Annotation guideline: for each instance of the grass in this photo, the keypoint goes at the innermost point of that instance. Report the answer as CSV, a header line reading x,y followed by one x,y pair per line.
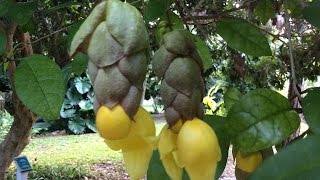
x,y
73,151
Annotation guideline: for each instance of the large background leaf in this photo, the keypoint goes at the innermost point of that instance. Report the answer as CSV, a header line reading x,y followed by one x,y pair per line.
x,y
260,119
218,124
264,10
39,85
4,6
244,37
311,109
204,52
312,13
299,160
231,96
155,9
21,12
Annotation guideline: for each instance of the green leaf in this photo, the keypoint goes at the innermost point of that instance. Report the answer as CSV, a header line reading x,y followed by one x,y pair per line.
x,y
21,12
68,113
295,8
4,6
231,96
73,30
218,125
299,160
204,52
260,119
79,63
155,9
83,85
156,170
243,36
3,42
91,125
28,27
85,105
311,13
264,10
169,21
66,72
76,127
310,106
39,85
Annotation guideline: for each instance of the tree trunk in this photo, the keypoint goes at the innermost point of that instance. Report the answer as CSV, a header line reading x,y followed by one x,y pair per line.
x,y
18,136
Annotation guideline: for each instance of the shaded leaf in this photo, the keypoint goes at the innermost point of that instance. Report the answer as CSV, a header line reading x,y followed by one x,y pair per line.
x,y
66,73
76,127
79,63
21,12
83,85
39,85
74,97
155,9
4,6
68,113
260,119
299,160
231,96
156,170
311,13
28,27
244,37
310,106
218,124
73,30
204,52
169,21
3,42
91,125
264,10
295,8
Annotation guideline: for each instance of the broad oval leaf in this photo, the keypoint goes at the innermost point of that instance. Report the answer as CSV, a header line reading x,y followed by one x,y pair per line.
x,y
299,160
204,52
311,13
79,63
243,36
310,106
260,119
264,10
21,12
83,85
39,84
77,126
4,6
3,42
155,9
231,96
218,124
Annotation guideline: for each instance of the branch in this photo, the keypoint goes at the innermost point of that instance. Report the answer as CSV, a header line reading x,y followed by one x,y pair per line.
x,y
293,72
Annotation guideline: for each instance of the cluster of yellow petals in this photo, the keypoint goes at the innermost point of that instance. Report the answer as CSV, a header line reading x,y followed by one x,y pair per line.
x,y
135,138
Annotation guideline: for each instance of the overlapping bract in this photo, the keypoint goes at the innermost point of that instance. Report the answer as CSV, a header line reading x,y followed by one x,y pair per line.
x,y
115,38
179,65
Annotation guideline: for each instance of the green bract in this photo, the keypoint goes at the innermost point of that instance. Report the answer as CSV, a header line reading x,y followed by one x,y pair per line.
x,y
178,63
116,44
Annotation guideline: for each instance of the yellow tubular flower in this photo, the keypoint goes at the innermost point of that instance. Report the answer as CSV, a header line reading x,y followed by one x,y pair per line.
x,y
198,150
166,146
137,147
113,123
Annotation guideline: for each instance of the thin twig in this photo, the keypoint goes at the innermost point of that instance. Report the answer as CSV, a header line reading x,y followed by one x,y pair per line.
x,y
48,35
293,72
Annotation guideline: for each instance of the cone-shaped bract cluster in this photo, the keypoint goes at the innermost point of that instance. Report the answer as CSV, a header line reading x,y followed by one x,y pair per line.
x,y
115,38
179,65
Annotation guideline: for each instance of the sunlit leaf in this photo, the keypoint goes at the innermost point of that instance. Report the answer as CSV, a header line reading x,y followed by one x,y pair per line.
x,y
39,85
243,36
76,127
260,119
299,160
83,85
310,106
